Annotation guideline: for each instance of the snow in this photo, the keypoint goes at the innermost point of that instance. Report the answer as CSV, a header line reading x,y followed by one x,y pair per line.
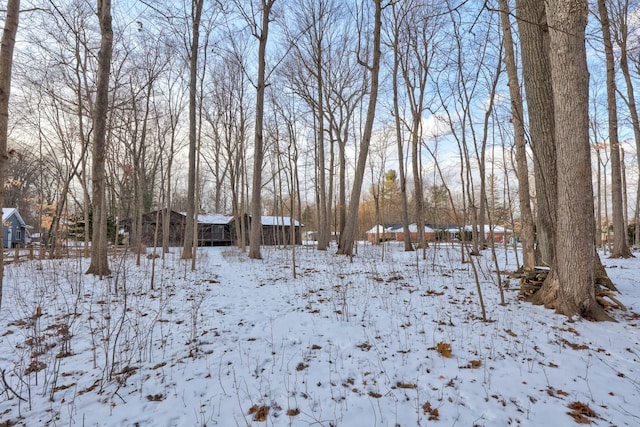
x,y
413,228
380,229
358,342
214,219
279,220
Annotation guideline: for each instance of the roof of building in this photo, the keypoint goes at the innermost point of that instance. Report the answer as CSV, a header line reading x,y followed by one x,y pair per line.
x,y
384,228
279,220
214,219
413,228
9,212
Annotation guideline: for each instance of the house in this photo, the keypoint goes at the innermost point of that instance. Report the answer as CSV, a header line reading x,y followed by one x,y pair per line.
x,y
152,224
429,233
450,232
14,229
216,230
383,232
276,230
213,229
500,234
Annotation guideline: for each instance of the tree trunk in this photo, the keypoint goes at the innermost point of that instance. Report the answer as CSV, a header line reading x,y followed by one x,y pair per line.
x,y
569,288
620,247
99,263
6,64
408,246
621,39
258,150
190,220
323,221
349,235
517,120
417,177
536,73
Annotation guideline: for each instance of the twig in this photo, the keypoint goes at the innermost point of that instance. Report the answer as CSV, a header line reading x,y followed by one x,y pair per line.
x,y
8,387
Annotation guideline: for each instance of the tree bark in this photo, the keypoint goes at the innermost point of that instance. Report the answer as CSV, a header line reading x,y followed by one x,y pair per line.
x,y
99,263
6,65
569,288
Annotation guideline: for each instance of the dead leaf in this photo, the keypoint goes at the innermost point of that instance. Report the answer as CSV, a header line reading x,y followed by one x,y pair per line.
x,y
259,412
444,349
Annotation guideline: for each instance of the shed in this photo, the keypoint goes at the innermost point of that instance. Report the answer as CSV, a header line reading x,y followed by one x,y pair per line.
x,y
14,229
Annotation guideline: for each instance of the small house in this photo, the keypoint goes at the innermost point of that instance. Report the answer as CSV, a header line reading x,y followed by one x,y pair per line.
x,y
14,229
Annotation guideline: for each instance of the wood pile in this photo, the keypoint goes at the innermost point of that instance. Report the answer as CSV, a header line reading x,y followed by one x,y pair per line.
x,y
531,281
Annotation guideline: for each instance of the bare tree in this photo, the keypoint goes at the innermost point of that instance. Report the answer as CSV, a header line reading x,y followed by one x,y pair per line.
x,y
6,64
620,246
517,120
348,237
258,156
188,248
569,288
398,16
536,74
99,263
417,39
622,25
312,72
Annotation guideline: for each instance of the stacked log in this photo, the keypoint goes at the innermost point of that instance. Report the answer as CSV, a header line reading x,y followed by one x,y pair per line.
x,y
531,281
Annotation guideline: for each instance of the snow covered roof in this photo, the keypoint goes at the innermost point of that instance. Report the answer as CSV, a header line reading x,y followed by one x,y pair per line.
x,y
496,229
279,220
487,229
380,228
214,219
413,228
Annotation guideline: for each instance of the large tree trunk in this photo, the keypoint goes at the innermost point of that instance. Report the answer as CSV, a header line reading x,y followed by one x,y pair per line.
x,y
569,288
536,73
6,64
517,120
258,150
620,247
347,238
190,220
99,263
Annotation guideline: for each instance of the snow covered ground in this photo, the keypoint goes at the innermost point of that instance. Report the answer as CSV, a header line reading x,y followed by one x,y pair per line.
x,y
387,339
